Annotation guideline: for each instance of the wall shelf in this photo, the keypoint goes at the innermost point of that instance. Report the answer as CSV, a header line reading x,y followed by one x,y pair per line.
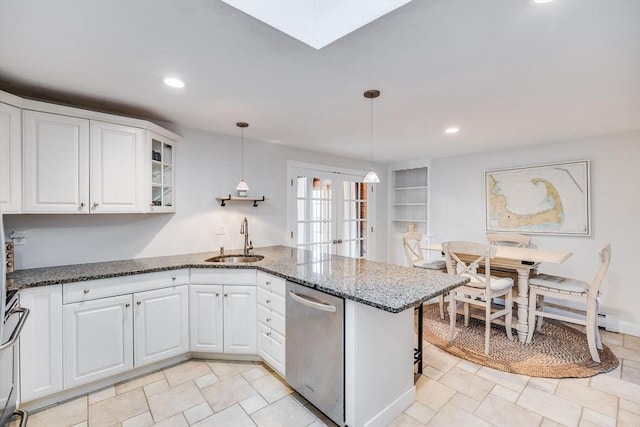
x,y
230,198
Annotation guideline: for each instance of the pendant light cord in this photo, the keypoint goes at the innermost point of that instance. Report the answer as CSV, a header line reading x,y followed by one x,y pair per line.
x,y
242,157
371,135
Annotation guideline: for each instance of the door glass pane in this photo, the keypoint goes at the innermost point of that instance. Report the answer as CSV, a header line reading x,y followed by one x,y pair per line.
x,y
314,214
353,229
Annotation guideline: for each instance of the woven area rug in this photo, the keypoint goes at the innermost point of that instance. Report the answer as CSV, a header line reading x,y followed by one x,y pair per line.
x,y
557,351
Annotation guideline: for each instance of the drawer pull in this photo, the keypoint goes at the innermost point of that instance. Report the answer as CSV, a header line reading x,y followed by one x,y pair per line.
x,y
268,301
127,305
139,302
86,291
268,334
268,320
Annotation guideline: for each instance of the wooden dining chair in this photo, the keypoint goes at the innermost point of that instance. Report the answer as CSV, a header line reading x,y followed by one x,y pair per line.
x,y
587,294
509,239
411,242
482,288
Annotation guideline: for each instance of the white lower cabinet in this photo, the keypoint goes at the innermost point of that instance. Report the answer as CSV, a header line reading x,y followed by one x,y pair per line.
x,y
105,335
239,319
205,316
161,324
98,338
271,309
41,343
271,347
222,311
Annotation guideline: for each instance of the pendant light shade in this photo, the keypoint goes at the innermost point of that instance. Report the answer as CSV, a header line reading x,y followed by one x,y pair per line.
x,y
242,188
371,177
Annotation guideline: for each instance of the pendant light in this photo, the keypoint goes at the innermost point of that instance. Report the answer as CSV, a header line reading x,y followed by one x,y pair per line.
x,y
371,177
242,187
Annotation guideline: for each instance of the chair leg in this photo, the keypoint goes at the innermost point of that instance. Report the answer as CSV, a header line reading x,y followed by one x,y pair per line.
x,y
592,329
487,326
598,339
540,301
508,318
466,314
452,315
533,296
441,303
591,340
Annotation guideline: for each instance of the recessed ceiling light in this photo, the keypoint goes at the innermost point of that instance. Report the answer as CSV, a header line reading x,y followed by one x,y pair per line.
x,y
173,82
542,1
452,130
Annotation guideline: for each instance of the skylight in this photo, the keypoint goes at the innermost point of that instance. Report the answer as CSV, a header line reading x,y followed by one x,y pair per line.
x,y
316,22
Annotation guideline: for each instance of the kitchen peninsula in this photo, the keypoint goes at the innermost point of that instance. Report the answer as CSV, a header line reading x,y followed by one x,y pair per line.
x,y
378,314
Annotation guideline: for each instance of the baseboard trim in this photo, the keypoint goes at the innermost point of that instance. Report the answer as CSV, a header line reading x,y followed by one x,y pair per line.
x,y
393,411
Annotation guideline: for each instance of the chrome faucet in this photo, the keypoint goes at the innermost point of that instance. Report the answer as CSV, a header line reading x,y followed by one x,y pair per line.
x,y
244,229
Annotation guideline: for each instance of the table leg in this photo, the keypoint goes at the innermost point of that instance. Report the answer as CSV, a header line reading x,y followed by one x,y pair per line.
x,y
522,302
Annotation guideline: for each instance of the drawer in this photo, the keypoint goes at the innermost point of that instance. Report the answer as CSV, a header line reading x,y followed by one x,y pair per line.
x,y
101,288
272,348
271,301
271,318
223,276
274,284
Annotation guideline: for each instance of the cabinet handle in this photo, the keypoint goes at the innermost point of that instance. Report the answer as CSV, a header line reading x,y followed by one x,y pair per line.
x,y
95,204
268,334
86,291
173,278
127,305
139,302
268,301
82,204
217,294
268,320
226,295
268,283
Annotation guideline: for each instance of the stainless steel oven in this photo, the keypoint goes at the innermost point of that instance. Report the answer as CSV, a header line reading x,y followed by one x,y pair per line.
x,y
13,321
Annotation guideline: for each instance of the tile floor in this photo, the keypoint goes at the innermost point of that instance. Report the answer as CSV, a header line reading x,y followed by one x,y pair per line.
x,y
452,392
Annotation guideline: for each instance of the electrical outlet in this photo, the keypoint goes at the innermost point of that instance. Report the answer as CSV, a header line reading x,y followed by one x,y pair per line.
x,y
19,237
220,230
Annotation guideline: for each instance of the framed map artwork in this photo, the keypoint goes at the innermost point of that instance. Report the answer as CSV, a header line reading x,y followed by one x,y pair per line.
x,y
546,199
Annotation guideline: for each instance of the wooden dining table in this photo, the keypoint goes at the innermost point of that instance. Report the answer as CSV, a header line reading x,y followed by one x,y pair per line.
x,y
524,261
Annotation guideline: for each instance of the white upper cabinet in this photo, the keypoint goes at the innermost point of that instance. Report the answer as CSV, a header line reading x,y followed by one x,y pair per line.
x,y
56,163
76,165
117,168
10,159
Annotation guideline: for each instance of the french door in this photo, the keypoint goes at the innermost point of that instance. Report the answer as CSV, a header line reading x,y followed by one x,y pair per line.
x,y
329,213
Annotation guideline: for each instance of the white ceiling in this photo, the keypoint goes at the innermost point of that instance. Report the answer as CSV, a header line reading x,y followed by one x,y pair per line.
x,y
508,73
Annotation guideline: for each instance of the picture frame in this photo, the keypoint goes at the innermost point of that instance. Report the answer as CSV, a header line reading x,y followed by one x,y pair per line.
x,y
549,199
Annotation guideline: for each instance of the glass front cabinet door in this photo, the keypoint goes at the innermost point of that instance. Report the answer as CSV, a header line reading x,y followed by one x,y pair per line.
x,y
162,158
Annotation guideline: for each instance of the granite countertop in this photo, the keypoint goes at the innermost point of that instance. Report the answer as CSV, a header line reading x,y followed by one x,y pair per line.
x,y
388,287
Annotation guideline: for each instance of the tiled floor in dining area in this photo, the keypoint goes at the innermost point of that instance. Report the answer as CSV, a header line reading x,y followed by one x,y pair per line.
x,y
452,392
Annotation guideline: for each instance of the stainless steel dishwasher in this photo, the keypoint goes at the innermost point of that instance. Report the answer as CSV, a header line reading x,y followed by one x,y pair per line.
x,y
315,348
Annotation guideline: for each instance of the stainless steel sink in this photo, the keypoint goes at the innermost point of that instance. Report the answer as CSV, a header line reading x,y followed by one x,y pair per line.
x,y
235,258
